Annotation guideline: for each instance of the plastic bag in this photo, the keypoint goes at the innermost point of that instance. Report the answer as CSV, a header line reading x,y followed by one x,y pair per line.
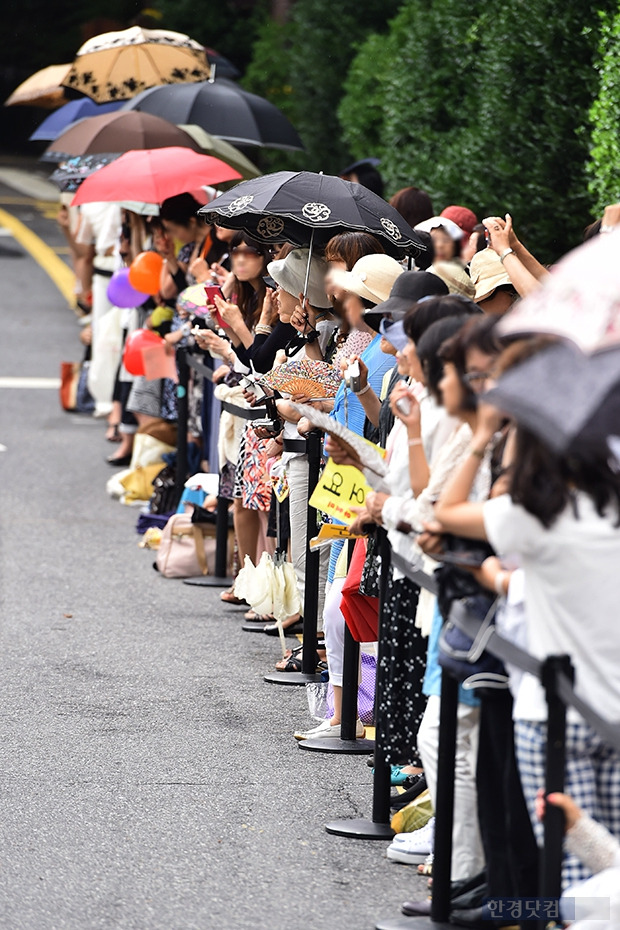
x,y
316,692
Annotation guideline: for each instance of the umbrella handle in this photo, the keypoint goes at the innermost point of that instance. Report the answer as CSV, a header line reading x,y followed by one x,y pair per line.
x,y
281,635
310,250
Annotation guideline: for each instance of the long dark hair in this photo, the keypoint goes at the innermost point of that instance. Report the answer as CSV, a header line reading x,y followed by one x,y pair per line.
x,y
427,349
544,483
250,301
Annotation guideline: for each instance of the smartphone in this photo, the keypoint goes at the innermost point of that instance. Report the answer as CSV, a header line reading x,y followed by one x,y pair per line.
x,y
212,291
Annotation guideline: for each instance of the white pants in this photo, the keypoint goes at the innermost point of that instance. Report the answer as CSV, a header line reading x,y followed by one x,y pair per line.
x,y
105,347
467,852
297,473
333,627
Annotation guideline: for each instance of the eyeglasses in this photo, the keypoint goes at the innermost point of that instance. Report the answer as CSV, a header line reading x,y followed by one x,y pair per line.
x,y
245,250
472,376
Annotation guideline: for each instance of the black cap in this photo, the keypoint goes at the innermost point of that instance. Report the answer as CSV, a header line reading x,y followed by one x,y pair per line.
x,y
408,289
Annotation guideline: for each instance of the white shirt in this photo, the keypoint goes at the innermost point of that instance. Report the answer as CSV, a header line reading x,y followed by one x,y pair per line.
x,y
572,596
100,225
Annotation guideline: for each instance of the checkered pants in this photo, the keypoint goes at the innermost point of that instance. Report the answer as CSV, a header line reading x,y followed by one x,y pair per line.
x,y
592,779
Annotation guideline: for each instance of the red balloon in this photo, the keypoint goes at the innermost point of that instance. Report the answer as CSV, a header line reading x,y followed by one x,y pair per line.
x,y
145,272
132,354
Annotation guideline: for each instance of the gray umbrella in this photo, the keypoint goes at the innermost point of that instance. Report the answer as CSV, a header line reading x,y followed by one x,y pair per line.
x,y
223,109
562,395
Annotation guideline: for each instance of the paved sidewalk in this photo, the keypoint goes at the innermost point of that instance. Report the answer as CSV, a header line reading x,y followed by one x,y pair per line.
x,y
149,778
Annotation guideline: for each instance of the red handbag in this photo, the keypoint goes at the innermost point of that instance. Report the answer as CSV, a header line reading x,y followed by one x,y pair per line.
x,y
360,611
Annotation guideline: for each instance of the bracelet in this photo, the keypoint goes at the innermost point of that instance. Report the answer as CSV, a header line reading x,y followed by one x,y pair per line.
x,y
263,329
363,391
498,583
414,442
505,253
479,453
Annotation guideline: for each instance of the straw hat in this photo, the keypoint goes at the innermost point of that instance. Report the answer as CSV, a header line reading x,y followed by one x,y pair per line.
x,y
455,278
290,274
487,273
371,277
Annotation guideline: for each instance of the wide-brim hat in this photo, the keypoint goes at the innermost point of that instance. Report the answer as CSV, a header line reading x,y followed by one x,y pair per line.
x,y
372,277
455,278
455,232
487,273
290,274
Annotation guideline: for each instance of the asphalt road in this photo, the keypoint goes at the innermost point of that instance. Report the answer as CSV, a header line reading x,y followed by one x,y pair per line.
x,y
149,779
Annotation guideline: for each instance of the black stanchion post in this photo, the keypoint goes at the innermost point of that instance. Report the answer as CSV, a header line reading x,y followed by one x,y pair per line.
x,y
220,579
379,827
444,815
444,818
349,744
182,416
553,825
311,597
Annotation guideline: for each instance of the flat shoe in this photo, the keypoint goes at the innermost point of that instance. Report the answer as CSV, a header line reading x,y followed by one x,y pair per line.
x,y
119,461
326,731
271,629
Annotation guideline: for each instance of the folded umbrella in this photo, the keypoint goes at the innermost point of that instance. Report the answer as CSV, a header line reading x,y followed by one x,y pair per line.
x,y
153,175
303,207
223,109
579,301
41,89
70,113
563,396
117,132
118,65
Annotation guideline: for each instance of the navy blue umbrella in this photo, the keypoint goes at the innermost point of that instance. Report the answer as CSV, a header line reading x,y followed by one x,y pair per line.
x,y
60,119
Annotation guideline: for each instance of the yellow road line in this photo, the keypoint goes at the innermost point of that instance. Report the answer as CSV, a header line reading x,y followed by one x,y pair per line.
x,y
58,271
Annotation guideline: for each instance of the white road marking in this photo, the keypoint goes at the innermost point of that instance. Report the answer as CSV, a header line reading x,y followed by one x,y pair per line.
x,y
46,384
5,232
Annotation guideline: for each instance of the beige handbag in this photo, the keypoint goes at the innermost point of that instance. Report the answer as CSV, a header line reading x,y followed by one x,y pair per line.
x,y
187,549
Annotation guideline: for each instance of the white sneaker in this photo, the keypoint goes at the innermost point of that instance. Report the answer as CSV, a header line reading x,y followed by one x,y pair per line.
x,y
326,731
413,848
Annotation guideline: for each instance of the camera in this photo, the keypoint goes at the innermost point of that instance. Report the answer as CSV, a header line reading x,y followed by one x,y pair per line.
x,y
272,425
352,377
252,386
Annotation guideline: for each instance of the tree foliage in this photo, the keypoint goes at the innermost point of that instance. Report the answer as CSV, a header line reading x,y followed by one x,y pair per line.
x,y
604,164
302,67
484,104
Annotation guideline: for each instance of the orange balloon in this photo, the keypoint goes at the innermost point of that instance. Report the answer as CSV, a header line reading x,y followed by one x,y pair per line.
x,y
145,272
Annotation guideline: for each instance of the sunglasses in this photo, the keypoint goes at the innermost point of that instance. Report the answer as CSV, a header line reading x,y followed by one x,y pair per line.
x,y
245,250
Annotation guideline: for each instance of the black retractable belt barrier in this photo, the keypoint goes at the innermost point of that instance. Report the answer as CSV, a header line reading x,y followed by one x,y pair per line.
x,y
311,598
378,828
556,674
185,361
348,744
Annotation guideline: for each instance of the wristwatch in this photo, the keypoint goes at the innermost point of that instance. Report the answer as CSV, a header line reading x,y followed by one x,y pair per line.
x,y
505,253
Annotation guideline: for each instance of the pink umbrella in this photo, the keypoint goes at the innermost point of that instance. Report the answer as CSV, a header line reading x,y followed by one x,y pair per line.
x,y
579,301
153,175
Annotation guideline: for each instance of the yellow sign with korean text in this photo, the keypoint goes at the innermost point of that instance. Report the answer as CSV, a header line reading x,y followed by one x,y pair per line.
x,y
340,488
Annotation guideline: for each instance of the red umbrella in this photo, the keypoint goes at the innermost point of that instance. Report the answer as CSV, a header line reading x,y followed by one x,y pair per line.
x,y
152,175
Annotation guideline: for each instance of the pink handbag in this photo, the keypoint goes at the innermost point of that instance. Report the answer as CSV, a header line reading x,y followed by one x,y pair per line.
x,y
187,549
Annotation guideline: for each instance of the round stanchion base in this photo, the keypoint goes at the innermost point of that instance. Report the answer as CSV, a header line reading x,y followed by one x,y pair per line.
x,y
253,626
291,678
411,923
209,581
351,747
360,829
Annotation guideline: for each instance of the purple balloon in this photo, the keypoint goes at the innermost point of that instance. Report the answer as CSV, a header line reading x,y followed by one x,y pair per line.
x,y
121,293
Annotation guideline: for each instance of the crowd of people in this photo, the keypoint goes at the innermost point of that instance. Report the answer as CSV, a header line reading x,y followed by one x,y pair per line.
x,y
504,522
